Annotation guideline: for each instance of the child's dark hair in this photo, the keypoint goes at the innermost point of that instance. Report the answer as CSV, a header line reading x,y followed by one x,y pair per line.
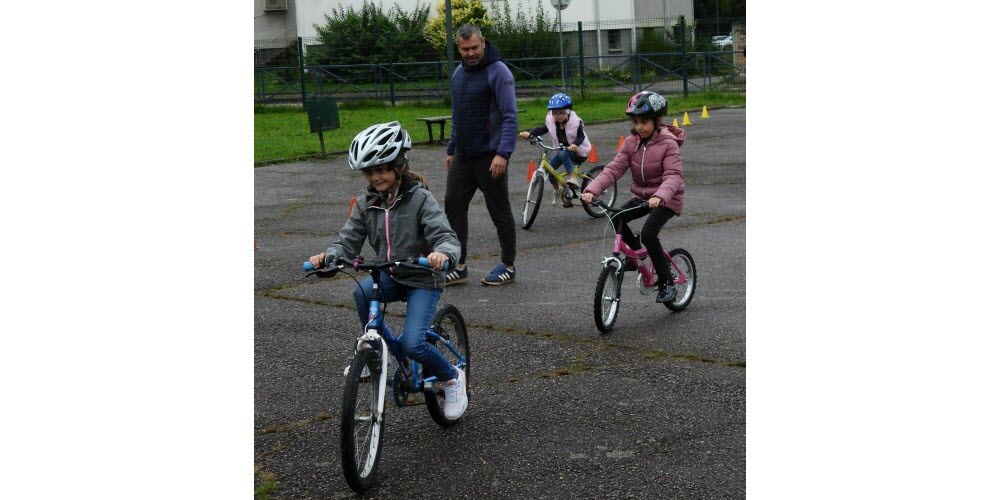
x,y
659,122
402,165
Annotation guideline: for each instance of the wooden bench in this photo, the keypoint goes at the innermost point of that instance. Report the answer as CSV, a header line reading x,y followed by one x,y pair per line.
x,y
430,120
440,120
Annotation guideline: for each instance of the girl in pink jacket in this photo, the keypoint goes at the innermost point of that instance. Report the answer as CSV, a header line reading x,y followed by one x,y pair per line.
x,y
652,153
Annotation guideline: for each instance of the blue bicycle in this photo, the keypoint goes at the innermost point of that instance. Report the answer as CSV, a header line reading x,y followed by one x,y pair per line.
x,y
362,417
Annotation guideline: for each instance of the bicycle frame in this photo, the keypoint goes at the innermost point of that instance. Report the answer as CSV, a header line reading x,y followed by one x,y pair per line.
x,y
376,330
680,265
637,256
544,165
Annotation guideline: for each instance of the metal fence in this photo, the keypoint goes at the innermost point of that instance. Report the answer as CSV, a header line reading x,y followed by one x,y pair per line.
x,y
665,55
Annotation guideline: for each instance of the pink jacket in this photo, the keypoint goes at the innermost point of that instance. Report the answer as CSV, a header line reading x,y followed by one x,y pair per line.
x,y
572,128
656,168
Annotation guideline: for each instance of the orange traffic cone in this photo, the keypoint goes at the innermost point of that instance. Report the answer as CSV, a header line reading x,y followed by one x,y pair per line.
x,y
621,140
592,157
687,121
531,169
704,112
675,122
350,206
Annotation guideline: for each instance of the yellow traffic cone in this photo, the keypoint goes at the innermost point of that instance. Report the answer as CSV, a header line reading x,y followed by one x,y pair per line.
x,y
704,112
687,121
675,122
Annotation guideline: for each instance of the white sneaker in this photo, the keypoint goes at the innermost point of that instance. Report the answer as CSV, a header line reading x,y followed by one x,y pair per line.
x,y
557,195
455,398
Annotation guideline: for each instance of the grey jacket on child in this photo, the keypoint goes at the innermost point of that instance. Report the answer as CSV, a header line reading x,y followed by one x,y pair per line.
x,y
415,225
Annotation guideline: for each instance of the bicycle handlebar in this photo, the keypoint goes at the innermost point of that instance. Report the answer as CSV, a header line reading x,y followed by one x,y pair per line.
x,y
361,265
598,202
537,142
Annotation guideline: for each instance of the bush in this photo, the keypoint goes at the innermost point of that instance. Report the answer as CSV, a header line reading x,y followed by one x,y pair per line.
x,y
370,36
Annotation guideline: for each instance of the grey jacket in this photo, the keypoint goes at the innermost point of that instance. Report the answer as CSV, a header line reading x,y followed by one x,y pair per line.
x,y
415,225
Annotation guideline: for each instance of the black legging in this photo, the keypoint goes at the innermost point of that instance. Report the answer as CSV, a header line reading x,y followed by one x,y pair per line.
x,y
464,177
649,235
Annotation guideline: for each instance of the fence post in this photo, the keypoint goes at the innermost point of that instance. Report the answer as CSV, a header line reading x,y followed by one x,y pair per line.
x,y
392,77
684,63
579,31
449,39
302,73
636,73
440,78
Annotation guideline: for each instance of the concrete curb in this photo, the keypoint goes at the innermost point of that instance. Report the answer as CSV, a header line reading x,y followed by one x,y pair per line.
x,y
314,157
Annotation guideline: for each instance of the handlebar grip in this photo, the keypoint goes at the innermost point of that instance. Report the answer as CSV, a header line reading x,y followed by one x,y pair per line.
x,y
307,266
426,263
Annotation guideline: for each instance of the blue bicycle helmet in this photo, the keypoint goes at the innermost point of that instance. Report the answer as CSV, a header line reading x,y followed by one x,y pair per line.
x,y
560,101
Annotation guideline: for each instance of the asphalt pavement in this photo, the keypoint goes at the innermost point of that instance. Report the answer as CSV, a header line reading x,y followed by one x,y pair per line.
x,y
654,409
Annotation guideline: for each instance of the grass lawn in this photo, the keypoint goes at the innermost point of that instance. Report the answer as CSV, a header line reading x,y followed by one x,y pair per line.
x,y
281,133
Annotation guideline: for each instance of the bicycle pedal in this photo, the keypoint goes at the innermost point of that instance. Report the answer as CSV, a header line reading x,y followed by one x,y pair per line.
x,y
430,387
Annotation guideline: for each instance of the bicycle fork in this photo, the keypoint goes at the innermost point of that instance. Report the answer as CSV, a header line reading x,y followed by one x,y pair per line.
x,y
370,337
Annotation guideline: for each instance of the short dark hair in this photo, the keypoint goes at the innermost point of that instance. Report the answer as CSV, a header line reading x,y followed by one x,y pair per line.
x,y
467,30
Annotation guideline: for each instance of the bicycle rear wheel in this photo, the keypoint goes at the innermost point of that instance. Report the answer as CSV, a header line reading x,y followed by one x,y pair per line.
x,y
534,200
610,195
450,325
685,291
360,429
607,297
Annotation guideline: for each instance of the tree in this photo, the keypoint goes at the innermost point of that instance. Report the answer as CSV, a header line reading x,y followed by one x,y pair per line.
x,y
370,35
705,12
520,37
462,12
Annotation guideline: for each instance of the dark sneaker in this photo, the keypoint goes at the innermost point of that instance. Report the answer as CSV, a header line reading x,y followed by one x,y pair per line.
x,y
667,294
499,276
456,276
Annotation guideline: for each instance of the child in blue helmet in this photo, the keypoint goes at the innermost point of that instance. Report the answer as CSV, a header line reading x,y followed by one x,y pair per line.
x,y
565,128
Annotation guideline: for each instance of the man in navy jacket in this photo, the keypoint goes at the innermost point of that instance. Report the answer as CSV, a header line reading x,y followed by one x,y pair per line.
x,y
483,135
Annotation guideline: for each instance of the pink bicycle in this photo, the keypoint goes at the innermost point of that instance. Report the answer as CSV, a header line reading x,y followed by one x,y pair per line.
x,y
623,259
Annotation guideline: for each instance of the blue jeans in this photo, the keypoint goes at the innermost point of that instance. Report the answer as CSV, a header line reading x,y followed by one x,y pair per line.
x,y
421,303
561,159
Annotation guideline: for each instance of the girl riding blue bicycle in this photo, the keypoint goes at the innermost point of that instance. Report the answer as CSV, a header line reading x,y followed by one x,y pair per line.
x,y
652,153
401,219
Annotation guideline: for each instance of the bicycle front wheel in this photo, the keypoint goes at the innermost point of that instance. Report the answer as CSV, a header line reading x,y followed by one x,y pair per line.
x,y
360,427
450,325
534,200
610,195
685,291
607,297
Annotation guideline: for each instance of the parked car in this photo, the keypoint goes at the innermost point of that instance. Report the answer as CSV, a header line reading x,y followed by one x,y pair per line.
x,y
724,42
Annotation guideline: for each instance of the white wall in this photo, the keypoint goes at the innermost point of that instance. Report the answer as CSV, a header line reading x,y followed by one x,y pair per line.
x,y
613,10
273,23
311,12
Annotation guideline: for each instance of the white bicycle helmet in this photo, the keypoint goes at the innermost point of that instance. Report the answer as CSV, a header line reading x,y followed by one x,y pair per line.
x,y
378,144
